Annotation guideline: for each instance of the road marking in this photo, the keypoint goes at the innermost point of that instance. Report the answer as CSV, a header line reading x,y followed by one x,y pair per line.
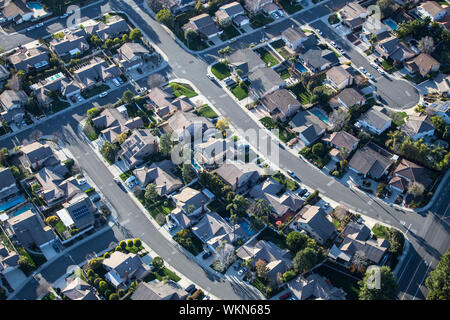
x,y
404,268
407,229
331,182
424,276
412,278
408,94
124,222
224,95
370,202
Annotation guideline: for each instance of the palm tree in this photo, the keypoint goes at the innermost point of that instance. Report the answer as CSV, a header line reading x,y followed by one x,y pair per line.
x,y
394,138
233,219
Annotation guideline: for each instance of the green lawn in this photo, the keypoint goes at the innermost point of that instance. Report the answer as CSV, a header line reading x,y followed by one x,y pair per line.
x,y
260,20
221,70
164,272
207,111
289,183
283,134
94,91
399,118
124,176
240,92
278,44
268,122
60,227
268,58
290,8
284,53
269,235
387,66
229,32
380,231
285,74
59,105
417,78
183,90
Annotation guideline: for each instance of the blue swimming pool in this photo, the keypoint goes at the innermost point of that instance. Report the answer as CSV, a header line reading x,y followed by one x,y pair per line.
x,y
300,67
320,115
35,5
22,210
391,24
247,229
12,203
195,165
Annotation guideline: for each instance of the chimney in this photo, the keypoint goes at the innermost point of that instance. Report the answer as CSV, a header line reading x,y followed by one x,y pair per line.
x,y
237,183
349,80
155,146
213,153
36,163
203,207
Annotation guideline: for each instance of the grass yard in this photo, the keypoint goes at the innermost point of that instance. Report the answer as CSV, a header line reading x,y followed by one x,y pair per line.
x,y
260,20
340,280
59,105
380,231
267,57
399,118
240,92
288,7
270,235
94,91
283,134
207,112
289,183
182,90
60,227
387,66
221,70
124,176
164,272
284,53
285,74
278,44
219,207
229,33
415,78
258,284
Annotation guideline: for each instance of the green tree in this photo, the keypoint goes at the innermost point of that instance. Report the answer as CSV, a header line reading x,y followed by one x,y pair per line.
x,y
135,34
122,244
129,243
318,149
4,153
95,263
296,241
52,221
157,263
25,264
109,43
137,242
187,172
438,280
113,296
190,35
127,96
386,7
388,285
261,208
165,144
151,194
109,151
395,138
442,128
165,17
102,286
305,259
288,275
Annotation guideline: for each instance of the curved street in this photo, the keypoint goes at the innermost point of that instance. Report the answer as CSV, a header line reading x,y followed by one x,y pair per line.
x,y
427,232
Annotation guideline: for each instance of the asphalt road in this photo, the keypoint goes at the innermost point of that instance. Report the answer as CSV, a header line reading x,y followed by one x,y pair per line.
x,y
428,234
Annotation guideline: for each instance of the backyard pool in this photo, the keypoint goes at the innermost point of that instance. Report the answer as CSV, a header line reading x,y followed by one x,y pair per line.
x,y
300,67
22,210
247,229
12,203
320,115
391,24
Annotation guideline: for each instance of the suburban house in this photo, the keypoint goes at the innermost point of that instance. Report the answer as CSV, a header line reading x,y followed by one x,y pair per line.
x,y
245,60
371,160
339,77
177,6
164,102
226,13
28,59
212,229
350,97
13,102
169,290
213,152
440,109
315,287
255,6
8,261
293,38
114,27
392,48
124,267
161,174
407,172
180,218
423,64
356,241
375,121
184,124
282,104
418,127
264,81
4,73
239,175
78,212
443,84
314,221
96,71
353,15
278,260
204,25
16,10
373,26
8,185
341,140
241,20
317,59
132,55
35,155
112,122
29,229
70,44
281,201
55,188
57,82
192,201
138,147
78,289
431,9
308,126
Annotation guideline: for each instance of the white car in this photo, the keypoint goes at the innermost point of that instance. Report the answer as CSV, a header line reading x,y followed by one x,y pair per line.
x,y
79,98
103,94
40,24
342,51
30,28
369,76
82,181
319,32
116,82
374,65
363,70
334,44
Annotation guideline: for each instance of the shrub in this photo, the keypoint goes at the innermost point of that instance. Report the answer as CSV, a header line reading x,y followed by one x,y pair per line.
x,y
130,243
158,263
288,275
106,255
121,292
137,242
90,273
113,296
122,244
102,286
198,294
97,281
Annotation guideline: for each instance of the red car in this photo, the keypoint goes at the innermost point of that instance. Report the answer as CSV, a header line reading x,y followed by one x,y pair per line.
x,y
73,99
285,296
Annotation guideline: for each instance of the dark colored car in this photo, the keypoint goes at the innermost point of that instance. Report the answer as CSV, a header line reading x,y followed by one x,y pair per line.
x,y
139,70
302,192
206,255
285,296
73,99
191,288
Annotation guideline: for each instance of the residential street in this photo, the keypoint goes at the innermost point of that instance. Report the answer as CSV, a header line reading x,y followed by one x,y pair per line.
x,y
427,232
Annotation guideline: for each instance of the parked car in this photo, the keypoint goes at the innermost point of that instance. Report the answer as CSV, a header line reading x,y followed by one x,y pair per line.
x,y
306,195
120,80
206,298
40,25
95,198
374,65
242,271
79,98
171,227
82,181
190,288
325,205
334,44
73,99
285,296
369,76
342,51
363,70
206,255
116,82
103,94
139,70
55,246
30,28
302,192
319,32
